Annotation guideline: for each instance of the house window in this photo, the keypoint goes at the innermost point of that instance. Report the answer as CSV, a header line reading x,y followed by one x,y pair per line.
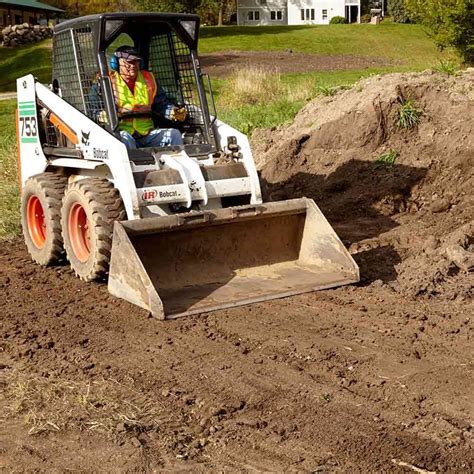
x,y
307,14
325,14
276,15
253,15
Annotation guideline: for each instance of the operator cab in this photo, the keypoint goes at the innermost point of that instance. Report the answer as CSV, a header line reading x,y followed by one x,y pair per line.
x,y
167,42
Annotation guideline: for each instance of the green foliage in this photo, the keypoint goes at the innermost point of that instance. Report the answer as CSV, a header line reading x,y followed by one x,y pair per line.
x,y
397,10
9,187
387,159
366,18
451,23
409,115
326,90
446,67
337,20
75,8
211,11
329,91
178,6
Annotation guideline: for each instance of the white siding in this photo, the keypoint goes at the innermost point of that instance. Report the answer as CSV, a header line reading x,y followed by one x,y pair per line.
x,y
264,9
333,7
291,11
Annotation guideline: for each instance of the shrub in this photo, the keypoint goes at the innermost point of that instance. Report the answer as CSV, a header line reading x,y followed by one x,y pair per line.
x,y
409,115
397,10
451,23
337,20
366,18
446,67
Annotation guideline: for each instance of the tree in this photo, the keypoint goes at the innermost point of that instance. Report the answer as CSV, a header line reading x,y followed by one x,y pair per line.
x,y
451,23
397,10
211,11
178,6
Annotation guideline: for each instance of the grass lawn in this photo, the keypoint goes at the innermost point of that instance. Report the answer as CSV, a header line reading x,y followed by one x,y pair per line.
x,y
9,188
31,58
407,44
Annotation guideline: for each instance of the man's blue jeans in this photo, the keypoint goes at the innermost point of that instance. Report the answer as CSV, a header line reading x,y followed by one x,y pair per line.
x,y
157,137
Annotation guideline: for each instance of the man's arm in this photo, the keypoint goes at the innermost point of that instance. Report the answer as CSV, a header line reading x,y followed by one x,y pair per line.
x,y
95,107
162,105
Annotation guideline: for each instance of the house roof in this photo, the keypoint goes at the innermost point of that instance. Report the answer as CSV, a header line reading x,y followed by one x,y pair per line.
x,y
29,4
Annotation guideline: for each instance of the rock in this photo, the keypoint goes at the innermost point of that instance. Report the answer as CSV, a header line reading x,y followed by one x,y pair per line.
x,y
377,284
463,259
440,205
121,427
136,442
430,244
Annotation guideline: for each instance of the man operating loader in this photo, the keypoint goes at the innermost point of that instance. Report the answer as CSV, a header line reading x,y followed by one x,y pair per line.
x,y
137,96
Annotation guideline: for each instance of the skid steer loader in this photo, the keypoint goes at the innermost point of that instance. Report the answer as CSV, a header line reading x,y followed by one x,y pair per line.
x,y
177,230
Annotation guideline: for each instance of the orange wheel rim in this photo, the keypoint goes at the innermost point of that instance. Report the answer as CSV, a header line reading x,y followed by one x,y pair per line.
x,y
36,222
79,232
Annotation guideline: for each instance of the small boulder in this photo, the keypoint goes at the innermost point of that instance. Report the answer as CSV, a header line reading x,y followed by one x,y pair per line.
x,y
440,205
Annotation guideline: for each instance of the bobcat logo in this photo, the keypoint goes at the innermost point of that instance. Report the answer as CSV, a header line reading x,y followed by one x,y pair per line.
x,y
193,186
85,138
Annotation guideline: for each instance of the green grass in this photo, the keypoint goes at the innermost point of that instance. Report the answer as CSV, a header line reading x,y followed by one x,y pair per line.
x,y
408,45
17,62
409,115
447,67
387,159
9,188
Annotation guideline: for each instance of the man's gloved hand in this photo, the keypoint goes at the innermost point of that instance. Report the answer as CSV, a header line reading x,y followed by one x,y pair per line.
x,y
178,114
102,117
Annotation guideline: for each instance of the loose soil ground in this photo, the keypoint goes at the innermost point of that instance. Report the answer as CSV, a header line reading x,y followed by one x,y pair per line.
x,y
221,64
373,377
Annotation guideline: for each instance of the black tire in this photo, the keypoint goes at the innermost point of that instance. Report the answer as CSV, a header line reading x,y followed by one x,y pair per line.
x,y
92,204
41,200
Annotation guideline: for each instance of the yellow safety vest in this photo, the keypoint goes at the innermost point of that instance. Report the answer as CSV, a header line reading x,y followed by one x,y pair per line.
x,y
140,100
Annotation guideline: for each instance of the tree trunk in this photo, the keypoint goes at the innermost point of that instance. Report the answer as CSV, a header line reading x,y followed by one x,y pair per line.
x,y
221,14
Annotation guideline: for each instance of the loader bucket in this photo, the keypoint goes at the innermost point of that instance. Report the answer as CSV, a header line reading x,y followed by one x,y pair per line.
x,y
203,261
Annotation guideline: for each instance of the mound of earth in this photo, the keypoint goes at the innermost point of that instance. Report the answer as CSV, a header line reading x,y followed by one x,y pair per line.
x,y
415,216
375,377
221,64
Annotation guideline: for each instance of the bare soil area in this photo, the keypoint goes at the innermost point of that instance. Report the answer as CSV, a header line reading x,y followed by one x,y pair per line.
x,y
221,64
374,377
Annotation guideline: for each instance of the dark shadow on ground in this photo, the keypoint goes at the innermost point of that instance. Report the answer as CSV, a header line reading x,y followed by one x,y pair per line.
x,y
359,199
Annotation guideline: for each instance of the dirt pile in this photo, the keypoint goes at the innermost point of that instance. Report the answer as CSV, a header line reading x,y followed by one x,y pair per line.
x,y
415,216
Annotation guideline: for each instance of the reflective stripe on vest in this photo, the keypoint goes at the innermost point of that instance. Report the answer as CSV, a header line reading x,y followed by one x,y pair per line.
x,y
140,101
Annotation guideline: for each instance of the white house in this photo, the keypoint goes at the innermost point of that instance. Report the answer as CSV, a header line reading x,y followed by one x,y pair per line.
x,y
295,12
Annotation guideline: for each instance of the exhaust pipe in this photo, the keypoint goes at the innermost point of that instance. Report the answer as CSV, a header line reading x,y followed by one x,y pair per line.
x,y
198,262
